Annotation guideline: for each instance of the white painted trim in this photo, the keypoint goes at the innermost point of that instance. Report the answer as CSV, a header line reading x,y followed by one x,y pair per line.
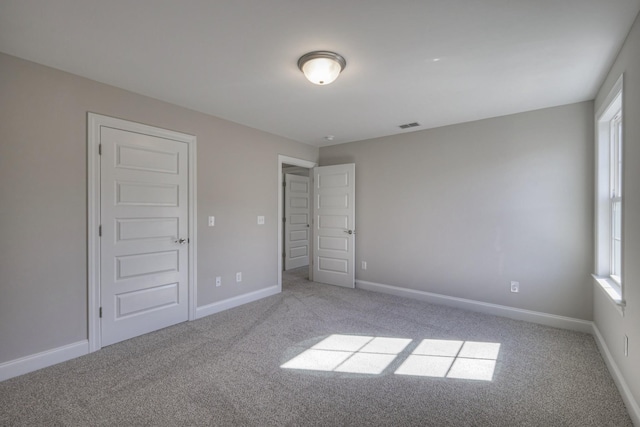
x,y
611,291
24,365
193,228
219,306
295,162
94,122
613,102
482,307
632,405
613,93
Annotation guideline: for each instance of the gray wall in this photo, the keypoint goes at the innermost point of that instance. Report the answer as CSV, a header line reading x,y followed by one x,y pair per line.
x,y
43,200
463,210
607,319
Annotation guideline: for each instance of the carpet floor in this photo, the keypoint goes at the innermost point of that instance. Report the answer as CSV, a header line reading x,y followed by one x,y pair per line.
x,y
318,355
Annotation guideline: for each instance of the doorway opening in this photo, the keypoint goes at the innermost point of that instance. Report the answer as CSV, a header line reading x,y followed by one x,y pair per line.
x,y
299,254
296,217
331,231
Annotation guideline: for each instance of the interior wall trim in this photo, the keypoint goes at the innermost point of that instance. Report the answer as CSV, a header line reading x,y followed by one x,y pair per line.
x,y
33,362
630,402
217,307
482,307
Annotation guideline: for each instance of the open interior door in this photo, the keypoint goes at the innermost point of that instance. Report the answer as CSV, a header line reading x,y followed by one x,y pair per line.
x,y
334,224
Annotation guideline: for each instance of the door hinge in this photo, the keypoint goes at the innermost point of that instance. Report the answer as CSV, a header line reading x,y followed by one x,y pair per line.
x,y
99,149
284,219
284,184
100,231
100,313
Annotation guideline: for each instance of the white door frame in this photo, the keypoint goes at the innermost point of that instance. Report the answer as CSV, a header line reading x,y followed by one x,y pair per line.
x,y
94,122
295,162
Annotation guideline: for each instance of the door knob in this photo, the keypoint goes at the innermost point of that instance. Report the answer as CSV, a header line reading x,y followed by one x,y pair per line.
x,y
181,241
349,231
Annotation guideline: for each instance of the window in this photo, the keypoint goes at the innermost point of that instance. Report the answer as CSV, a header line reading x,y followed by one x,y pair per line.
x,y
615,173
609,194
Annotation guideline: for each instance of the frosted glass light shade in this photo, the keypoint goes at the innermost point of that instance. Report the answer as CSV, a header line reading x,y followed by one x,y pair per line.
x,y
321,67
321,71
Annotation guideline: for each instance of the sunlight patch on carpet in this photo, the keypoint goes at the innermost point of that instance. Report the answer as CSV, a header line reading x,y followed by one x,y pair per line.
x,y
354,354
469,360
358,354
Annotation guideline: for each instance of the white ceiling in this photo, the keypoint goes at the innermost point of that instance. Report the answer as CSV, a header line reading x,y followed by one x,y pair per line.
x,y
236,59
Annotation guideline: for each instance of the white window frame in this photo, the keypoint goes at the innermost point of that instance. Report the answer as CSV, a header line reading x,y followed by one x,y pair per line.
x,y
615,200
609,122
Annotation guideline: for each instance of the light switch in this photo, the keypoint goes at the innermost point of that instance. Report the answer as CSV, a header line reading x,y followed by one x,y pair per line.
x,y
260,220
212,221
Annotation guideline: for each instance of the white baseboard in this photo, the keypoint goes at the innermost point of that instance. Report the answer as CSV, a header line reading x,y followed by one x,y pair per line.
x,y
618,378
216,307
24,365
483,307
31,363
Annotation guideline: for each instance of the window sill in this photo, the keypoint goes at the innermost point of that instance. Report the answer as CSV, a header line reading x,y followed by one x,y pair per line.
x,y
612,290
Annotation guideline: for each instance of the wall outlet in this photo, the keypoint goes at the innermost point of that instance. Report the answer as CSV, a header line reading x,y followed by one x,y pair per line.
x,y
218,281
364,265
238,277
212,221
515,286
260,220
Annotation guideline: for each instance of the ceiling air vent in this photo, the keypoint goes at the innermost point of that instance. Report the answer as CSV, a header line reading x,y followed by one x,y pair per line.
x,y
409,125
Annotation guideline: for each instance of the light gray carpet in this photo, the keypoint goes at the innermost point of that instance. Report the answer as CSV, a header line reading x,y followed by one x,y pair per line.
x,y
225,370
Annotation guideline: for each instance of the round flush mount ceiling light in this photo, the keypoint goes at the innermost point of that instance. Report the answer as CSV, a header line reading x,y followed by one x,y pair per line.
x,y
321,67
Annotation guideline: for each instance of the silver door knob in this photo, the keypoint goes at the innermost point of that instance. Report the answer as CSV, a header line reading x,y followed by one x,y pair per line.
x,y
181,241
349,231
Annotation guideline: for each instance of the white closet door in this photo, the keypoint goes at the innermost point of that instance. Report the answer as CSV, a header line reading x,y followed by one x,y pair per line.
x,y
144,244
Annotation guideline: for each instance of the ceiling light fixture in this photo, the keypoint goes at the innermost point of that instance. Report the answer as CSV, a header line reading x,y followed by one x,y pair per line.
x,y
321,67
